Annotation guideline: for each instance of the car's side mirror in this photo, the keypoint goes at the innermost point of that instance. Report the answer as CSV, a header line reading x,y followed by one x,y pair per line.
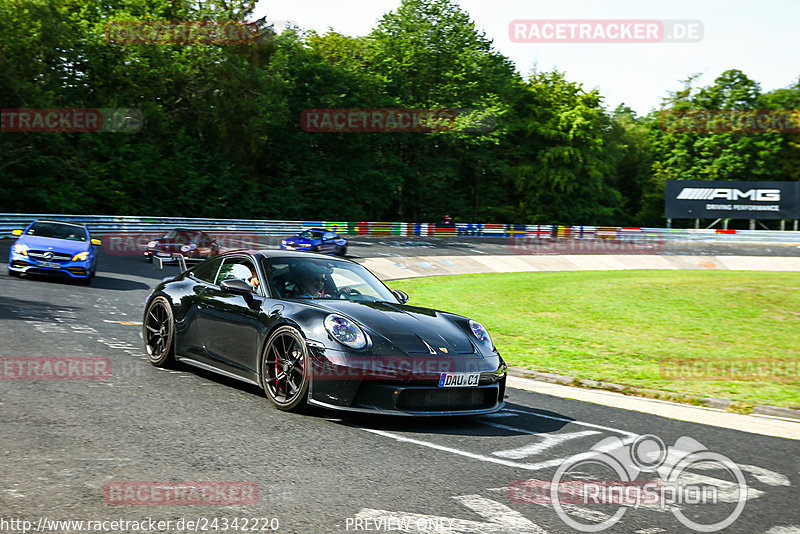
x,y
235,286
402,296
96,242
16,232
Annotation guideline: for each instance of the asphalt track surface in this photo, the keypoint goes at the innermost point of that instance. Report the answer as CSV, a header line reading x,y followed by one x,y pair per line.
x,y
63,441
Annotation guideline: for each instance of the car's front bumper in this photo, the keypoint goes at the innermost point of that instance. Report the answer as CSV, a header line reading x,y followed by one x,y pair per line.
x,y
26,265
291,246
341,383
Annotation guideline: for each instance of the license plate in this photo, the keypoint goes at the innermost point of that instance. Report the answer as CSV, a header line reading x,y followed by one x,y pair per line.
x,y
164,254
50,264
459,380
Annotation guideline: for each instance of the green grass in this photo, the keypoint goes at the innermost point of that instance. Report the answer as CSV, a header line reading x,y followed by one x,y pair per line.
x,y
616,326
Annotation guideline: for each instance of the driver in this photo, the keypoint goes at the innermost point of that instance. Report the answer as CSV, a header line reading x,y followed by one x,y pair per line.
x,y
253,281
309,280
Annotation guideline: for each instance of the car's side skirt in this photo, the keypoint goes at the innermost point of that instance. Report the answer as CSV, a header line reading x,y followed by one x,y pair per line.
x,y
201,365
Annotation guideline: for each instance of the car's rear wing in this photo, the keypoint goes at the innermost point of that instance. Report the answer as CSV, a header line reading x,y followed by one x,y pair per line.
x,y
159,262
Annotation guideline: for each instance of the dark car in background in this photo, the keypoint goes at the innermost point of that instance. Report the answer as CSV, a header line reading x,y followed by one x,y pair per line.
x,y
193,244
54,248
325,331
317,240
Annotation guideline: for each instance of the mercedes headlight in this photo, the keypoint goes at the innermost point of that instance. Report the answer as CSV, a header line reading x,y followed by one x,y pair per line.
x,y
152,244
81,256
345,331
479,331
187,248
20,249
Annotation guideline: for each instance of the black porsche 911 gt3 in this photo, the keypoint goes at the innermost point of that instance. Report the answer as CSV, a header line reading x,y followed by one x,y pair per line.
x,y
309,328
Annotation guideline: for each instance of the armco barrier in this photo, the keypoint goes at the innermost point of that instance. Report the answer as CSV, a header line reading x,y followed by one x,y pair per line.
x,y
101,225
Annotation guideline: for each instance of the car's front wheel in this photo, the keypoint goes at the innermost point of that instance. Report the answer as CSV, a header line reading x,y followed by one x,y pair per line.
x,y
284,369
158,332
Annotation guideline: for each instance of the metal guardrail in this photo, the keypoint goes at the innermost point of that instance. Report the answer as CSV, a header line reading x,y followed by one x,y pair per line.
x,y
102,225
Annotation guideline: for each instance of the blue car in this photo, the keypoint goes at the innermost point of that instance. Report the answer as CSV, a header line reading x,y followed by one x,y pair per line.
x,y
54,248
317,240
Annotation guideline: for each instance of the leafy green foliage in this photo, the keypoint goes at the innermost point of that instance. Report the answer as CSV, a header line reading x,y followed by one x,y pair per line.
x,y
222,135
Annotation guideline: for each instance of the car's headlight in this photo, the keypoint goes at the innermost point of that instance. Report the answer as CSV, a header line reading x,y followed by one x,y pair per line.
x,y
20,249
283,241
479,331
80,256
187,248
345,331
152,244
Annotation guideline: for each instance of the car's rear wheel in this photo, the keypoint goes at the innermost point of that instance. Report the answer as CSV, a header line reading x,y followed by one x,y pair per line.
x,y
284,369
158,332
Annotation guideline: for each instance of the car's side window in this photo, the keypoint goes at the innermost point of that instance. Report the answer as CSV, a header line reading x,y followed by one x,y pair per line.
x,y
239,269
207,271
329,235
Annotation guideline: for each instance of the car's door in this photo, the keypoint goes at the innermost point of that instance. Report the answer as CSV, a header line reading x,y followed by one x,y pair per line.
x,y
328,244
189,338
230,324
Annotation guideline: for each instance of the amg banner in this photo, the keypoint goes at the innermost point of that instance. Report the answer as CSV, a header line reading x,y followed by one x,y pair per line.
x,y
703,199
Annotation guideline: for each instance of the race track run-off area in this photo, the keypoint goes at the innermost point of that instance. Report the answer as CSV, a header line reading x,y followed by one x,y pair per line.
x,y
68,445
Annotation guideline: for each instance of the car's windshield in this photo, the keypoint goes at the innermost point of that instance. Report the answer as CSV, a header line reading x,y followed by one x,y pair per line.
x,y
57,231
310,234
179,236
306,278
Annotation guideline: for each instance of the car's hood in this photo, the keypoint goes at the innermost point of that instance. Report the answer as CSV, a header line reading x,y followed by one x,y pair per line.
x,y
56,245
411,329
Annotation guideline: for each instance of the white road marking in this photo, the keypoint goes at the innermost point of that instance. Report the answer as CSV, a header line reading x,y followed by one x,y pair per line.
x,y
727,490
500,517
793,529
484,458
765,476
547,441
572,421
586,514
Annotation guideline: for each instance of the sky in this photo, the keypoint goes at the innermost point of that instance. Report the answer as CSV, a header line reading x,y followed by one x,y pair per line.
x,y
760,38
